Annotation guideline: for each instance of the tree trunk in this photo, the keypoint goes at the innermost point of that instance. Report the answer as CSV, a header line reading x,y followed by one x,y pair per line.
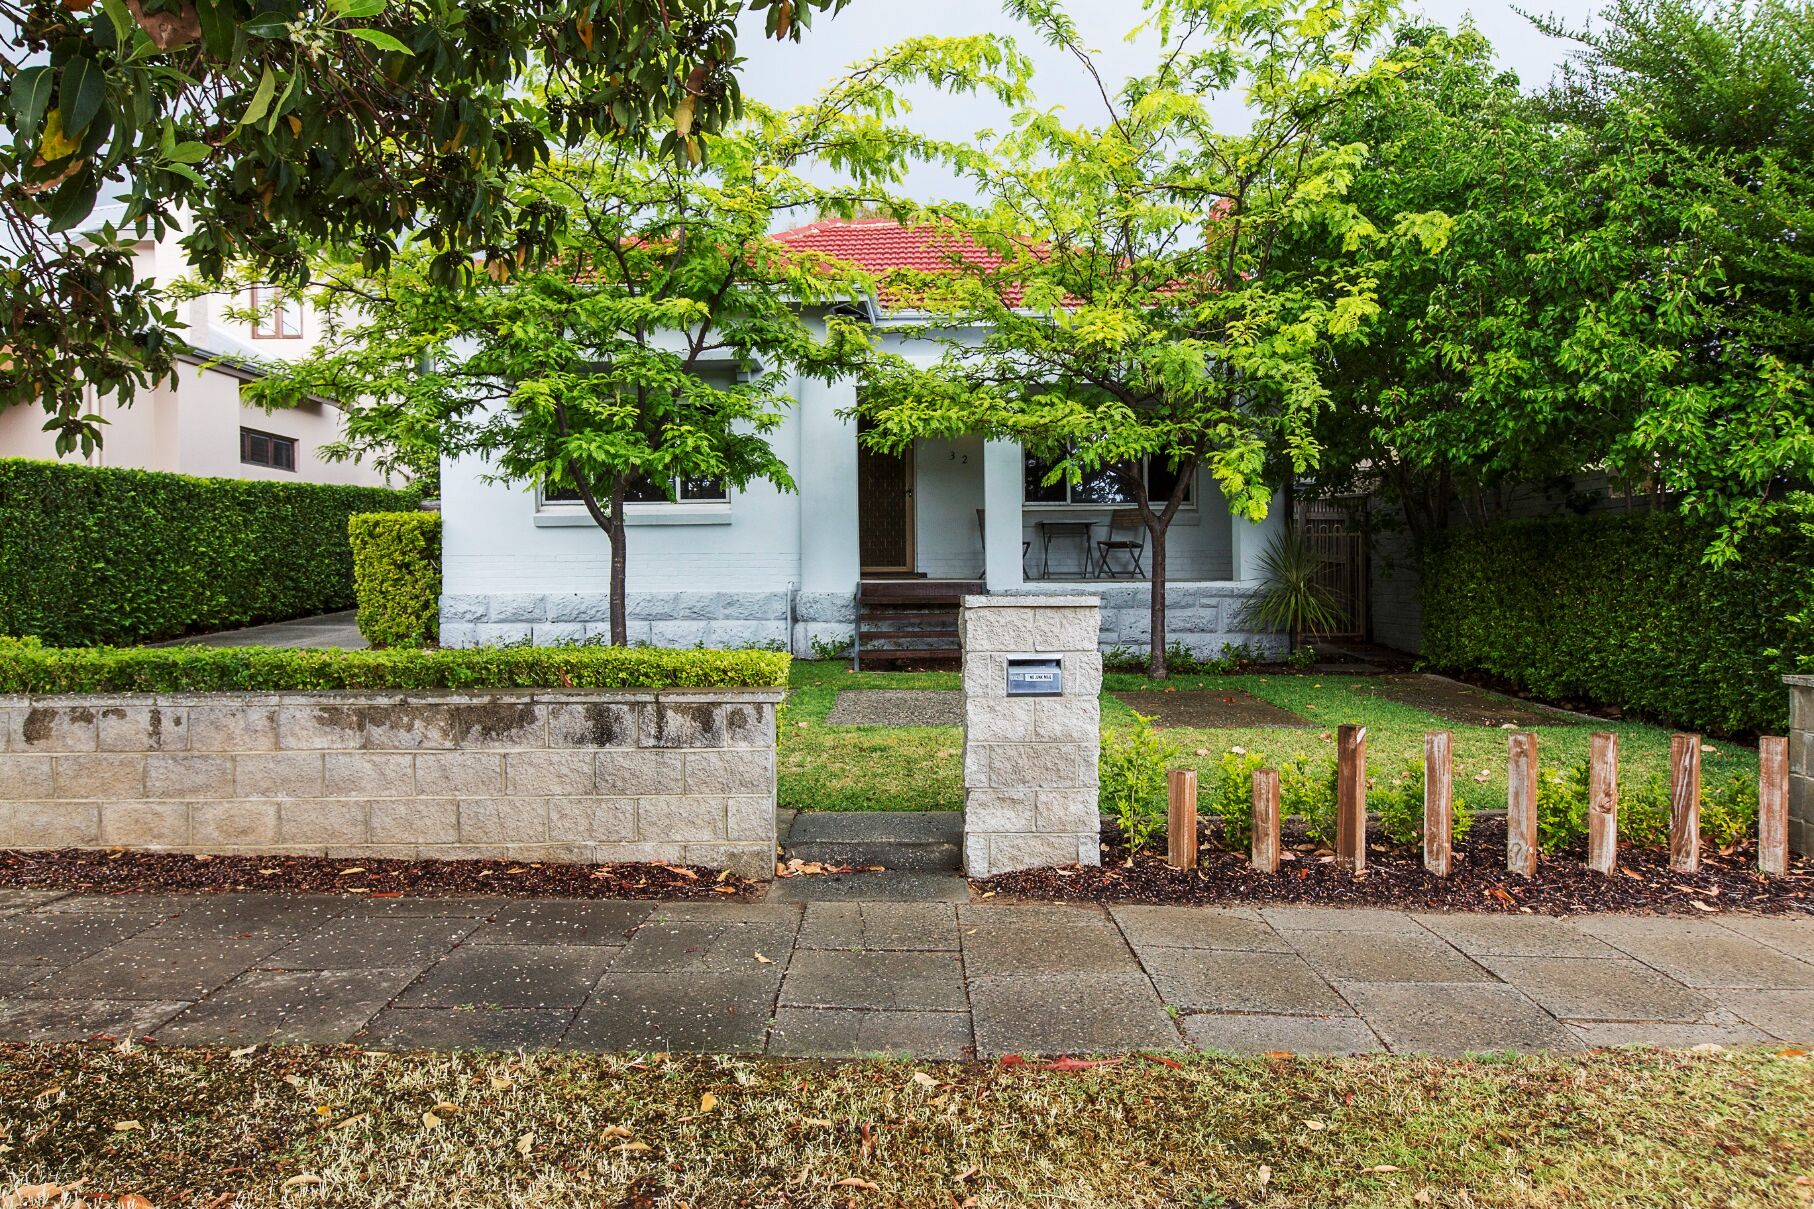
x,y
620,621
1157,667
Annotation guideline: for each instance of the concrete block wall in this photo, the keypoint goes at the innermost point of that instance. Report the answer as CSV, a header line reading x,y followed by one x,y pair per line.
x,y
679,775
1204,615
1030,775
726,620
1801,764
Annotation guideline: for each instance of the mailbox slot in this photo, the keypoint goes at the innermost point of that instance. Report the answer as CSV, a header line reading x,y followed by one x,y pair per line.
x,y
1035,676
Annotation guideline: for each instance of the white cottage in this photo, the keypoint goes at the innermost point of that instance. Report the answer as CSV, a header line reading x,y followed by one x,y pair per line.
x,y
874,548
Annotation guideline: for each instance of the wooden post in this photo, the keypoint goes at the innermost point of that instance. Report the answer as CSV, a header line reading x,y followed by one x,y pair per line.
x,y
1181,818
1773,805
1603,803
1266,820
1521,805
1685,803
1351,797
1438,803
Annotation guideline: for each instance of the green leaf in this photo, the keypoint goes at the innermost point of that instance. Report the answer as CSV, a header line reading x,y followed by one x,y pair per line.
x,y
380,39
359,9
73,201
123,24
84,88
268,25
219,30
31,97
261,98
188,153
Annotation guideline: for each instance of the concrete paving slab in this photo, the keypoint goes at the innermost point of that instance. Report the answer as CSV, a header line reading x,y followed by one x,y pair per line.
x,y
832,978
890,885
1075,1014
12,899
511,976
300,1007
1341,919
878,826
207,916
1337,1036
53,940
1591,988
707,1013
1197,928
898,927
1603,1035
1083,944
1212,980
168,906
721,911
427,906
156,970
1785,1015
1514,935
364,943
1792,934
81,1019
1701,953
841,1033
467,1028
329,630
544,922
704,948
1455,1018
1385,957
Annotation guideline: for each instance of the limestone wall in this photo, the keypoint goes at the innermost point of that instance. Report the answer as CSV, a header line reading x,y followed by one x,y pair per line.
x,y
678,775
1801,764
1030,777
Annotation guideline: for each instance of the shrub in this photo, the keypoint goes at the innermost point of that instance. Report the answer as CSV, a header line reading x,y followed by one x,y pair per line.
x,y
397,576
1307,790
273,669
1562,797
1396,805
1622,611
1728,810
1232,800
91,556
1132,776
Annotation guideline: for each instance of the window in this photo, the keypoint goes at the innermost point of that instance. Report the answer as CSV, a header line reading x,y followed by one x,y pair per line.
x,y
267,449
1100,489
686,491
278,317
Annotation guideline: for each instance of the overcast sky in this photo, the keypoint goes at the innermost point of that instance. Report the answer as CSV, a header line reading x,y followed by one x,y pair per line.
x,y
789,74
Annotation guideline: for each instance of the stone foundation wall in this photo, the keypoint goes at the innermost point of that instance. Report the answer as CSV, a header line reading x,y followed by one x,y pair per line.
x,y
678,775
725,620
1030,775
1801,764
1204,616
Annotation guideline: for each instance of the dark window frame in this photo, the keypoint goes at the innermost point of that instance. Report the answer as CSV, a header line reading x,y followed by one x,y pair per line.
x,y
283,311
647,494
1064,493
268,449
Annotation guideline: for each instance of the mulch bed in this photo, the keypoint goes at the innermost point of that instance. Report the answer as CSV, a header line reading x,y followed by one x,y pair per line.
x,y
1208,710
117,871
1396,878
1467,705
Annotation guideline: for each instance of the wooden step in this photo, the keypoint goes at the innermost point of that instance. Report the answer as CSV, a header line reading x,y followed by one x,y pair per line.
x,y
949,654
891,615
900,635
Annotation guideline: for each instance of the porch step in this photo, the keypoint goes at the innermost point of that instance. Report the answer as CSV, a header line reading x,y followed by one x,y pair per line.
x,y
907,635
928,841
910,620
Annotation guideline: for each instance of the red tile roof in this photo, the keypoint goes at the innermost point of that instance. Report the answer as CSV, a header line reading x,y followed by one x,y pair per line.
x,y
879,245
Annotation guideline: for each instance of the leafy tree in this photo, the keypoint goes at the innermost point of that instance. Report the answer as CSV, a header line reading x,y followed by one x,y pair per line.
x,y
660,343
273,126
1122,276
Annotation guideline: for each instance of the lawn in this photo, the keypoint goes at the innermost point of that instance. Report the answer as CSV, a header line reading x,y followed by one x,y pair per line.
x,y
340,1127
824,767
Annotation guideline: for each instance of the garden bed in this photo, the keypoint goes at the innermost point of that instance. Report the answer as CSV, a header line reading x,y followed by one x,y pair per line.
x,y
1395,877
127,872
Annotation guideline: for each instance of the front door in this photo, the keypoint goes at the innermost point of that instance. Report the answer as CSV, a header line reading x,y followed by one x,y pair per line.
x,y
884,509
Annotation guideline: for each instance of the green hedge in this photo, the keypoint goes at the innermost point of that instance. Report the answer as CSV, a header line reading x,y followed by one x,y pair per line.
x,y
397,576
90,556
1621,611
25,668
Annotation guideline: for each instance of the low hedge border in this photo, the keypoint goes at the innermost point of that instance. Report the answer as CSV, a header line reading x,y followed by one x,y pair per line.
x,y
25,668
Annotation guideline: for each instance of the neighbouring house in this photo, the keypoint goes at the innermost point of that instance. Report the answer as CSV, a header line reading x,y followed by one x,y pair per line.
x,y
874,547
194,422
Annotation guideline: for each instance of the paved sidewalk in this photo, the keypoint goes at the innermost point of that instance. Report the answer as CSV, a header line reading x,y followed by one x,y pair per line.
x,y
935,980
327,630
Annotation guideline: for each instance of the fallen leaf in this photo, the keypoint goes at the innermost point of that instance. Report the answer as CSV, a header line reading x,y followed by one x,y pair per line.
x,y
924,1080
821,1122
616,1131
500,1083
242,1052
966,1173
293,1080
1279,1053
354,869
430,1121
1380,1169
1314,1125
854,1182
1162,1060
708,1101
1792,1052
765,961
525,1144
633,1148
133,1200
352,1120
298,1181
126,1126
445,1109
1263,1177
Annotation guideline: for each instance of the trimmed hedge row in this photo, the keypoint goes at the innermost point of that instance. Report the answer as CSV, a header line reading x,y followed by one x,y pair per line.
x,y
397,576
28,668
90,556
1621,611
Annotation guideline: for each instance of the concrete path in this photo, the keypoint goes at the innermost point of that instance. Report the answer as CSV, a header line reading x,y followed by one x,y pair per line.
x,y
327,630
935,980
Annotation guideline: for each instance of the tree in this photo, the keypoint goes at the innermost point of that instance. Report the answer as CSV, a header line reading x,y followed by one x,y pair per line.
x,y
1123,277
271,128
658,345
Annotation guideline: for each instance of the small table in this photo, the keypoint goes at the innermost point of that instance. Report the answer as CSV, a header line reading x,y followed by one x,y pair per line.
x,y
1077,531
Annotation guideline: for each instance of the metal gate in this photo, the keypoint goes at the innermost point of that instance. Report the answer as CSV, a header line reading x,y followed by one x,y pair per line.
x,y
1336,532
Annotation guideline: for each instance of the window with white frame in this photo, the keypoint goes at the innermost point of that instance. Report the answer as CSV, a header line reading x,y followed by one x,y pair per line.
x,y
1100,488
276,316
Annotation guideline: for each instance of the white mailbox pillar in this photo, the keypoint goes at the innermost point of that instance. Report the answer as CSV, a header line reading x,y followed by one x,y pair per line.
x,y
1032,730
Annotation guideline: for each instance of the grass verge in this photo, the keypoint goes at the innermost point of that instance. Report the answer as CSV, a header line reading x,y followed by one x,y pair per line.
x,y
338,1127
824,767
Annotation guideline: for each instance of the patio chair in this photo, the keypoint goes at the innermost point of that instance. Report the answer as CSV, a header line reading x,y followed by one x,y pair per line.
x,y
1127,537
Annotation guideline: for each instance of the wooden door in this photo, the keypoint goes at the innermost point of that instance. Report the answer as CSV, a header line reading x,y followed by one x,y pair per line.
x,y
884,510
